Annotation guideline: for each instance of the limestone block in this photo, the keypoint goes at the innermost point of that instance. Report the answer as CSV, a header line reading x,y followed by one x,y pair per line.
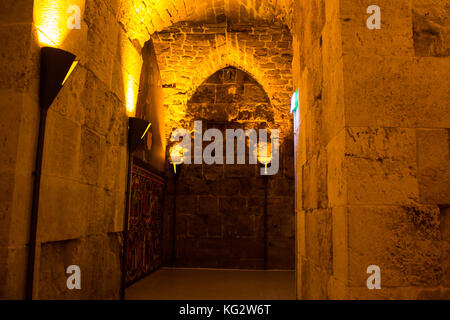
x,y
62,146
254,201
69,101
445,282
381,164
281,225
368,96
101,255
301,234
207,205
215,226
187,204
340,247
337,171
389,98
333,108
117,86
205,93
238,171
431,28
12,106
111,267
54,259
6,200
393,39
19,221
433,158
319,242
315,190
280,205
281,187
182,221
99,60
91,158
238,226
16,12
198,225
63,209
331,36
111,165
402,241
20,67
314,281
13,275
280,253
114,210
96,220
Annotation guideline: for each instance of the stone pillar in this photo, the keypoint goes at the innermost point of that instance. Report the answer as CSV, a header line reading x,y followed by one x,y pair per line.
x,y
372,151
395,158
18,131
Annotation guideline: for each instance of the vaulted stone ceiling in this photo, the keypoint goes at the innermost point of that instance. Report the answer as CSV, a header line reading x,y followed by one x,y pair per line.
x,y
149,16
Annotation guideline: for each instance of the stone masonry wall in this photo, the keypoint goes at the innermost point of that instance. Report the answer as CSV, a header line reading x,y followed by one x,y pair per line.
x,y
83,184
372,151
220,208
188,53
84,164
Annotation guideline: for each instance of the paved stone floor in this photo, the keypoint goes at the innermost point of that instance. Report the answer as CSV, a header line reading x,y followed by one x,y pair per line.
x,y
214,284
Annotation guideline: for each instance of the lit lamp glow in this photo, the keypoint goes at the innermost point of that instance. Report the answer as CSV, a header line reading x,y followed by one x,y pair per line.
x,y
177,156
55,19
264,156
131,96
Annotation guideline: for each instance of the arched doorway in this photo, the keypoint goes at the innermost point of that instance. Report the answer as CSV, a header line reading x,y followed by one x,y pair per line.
x,y
228,215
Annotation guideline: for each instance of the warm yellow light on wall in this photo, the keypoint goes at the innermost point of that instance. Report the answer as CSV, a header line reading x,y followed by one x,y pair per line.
x,y
131,98
50,18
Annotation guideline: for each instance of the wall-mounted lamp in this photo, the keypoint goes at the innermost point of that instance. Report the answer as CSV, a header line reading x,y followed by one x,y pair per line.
x,y
264,157
265,160
177,158
137,133
56,67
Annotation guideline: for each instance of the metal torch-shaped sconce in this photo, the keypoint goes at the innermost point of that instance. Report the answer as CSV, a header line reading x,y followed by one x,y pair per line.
x,y
264,155
56,66
139,130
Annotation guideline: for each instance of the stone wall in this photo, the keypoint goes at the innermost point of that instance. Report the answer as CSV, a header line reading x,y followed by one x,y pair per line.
x,y
83,184
19,71
220,208
188,53
373,153
84,163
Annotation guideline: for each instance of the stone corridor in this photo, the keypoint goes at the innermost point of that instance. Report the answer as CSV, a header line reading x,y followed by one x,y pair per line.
x,y
98,200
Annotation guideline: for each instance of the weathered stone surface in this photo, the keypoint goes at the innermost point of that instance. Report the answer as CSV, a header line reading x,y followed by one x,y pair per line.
x,y
381,164
431,29
374,110
403,241
433,161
